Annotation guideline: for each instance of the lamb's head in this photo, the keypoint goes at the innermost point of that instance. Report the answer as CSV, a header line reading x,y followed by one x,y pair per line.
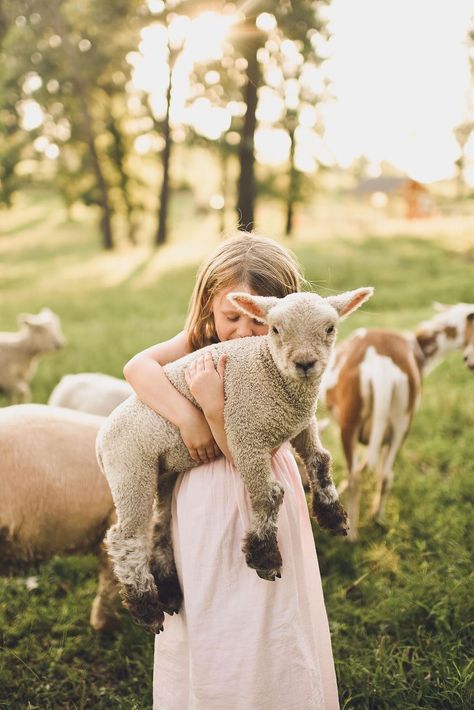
x,y
44,330
301,326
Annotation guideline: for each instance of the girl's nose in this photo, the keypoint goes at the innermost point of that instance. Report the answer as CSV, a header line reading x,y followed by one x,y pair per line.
x,y
245,330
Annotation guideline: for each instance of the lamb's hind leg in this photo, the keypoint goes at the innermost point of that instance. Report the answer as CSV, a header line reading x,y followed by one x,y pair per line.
x,y
325,502
266,496
163,565
128,542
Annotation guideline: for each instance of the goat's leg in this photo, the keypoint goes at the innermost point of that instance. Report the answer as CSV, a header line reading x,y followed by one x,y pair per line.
x,y
162,562
266,496
132,483
104,607
325,503
399,431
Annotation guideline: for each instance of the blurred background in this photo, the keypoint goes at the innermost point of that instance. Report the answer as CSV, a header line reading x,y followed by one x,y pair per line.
x,y
133,135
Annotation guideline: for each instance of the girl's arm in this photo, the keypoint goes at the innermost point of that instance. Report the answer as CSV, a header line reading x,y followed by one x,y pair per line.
x,y
144,372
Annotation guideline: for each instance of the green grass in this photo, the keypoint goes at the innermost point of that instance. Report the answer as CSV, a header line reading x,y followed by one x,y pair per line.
x,y
400,601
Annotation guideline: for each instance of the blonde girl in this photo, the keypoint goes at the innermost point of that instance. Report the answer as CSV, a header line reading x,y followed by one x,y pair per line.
x,y
239,642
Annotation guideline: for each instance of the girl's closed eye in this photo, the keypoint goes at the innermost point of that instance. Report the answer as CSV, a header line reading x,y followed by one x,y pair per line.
x,y
233,319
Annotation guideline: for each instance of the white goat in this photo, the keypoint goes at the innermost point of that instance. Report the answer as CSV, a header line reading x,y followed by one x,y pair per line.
x,y
39,333
271,388
372,387
54,499
91,392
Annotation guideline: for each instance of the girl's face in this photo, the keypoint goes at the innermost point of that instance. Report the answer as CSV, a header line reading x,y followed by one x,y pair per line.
x,y
231,323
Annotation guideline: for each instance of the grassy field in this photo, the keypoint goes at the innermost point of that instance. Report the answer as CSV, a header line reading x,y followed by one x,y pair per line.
x,y
400,601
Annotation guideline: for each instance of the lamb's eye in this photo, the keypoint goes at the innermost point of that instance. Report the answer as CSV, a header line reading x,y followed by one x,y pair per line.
x,y
330,329
274,330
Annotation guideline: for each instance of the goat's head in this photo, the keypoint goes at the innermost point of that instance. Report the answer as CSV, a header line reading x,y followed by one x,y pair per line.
x,y
456,323
44,329
301,326
469,341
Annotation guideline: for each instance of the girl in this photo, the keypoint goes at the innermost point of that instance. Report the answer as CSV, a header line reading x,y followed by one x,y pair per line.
x,y
239,642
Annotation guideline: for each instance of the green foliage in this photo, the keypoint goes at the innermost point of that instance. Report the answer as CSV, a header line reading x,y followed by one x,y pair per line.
x,y
400,601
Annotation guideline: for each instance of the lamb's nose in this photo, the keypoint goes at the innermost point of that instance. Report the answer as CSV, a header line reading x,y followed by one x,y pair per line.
x,y
305,366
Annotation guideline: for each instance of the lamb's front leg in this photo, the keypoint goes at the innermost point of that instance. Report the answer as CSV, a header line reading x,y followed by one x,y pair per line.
x,y
325,504
266,495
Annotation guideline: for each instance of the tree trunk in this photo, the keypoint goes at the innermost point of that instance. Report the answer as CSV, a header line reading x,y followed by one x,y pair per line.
x,y
246,183
164,196
58,23
292,188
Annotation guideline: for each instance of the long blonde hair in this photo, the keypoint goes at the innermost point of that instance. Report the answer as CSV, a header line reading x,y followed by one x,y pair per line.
x,y
259,263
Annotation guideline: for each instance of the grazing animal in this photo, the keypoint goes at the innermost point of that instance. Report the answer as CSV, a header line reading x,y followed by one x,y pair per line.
x,y
54,499
271,388
372,387
19,351
90,392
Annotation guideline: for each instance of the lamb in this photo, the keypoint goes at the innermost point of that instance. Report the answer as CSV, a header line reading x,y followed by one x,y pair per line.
x,y
54,498
372,387
276,378
91,392
39,333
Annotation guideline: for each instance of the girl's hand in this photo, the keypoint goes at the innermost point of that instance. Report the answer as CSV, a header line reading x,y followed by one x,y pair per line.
x,y
206,382
197,437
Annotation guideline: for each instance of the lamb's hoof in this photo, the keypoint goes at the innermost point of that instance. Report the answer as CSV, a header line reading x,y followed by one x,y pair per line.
x,y
263,555
171,596
269,575
331,517
145,608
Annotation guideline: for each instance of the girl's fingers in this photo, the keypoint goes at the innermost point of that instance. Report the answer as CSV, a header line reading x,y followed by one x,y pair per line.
x,y
221,365
202,453
194,455
208,362
200,363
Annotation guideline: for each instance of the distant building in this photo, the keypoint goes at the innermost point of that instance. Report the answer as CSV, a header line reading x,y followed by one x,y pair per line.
x,y
381,190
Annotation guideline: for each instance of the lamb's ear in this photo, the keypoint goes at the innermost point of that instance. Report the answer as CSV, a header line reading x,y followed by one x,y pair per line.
x,y
253,306
349,301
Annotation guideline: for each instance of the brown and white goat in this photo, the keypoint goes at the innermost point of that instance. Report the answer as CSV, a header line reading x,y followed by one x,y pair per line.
x,y
372,388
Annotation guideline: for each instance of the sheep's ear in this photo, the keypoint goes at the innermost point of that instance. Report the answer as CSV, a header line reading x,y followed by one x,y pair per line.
x,y
253,306
349,301
440,307
25,319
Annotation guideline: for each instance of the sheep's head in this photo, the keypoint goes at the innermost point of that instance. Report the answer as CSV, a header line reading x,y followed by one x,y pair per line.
x,y
301,326
44,330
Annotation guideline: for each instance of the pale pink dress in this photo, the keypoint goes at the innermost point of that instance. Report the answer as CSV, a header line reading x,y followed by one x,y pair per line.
x,y
240,642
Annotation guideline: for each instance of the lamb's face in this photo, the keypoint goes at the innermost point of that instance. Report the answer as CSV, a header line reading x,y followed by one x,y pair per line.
x,y
302,327
302,332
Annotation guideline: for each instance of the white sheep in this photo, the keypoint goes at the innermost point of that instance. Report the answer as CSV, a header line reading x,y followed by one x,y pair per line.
x,y
54,499
91,392
39,333
271,388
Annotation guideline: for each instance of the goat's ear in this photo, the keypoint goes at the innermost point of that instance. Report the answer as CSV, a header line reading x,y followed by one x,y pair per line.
x,y
349,301
440,307
253,306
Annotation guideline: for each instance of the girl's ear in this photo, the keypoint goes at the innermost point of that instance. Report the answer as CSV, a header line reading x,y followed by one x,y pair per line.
x,y
253,306
345,303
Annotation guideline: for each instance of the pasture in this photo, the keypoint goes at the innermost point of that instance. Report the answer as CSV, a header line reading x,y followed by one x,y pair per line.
x,y
400,601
